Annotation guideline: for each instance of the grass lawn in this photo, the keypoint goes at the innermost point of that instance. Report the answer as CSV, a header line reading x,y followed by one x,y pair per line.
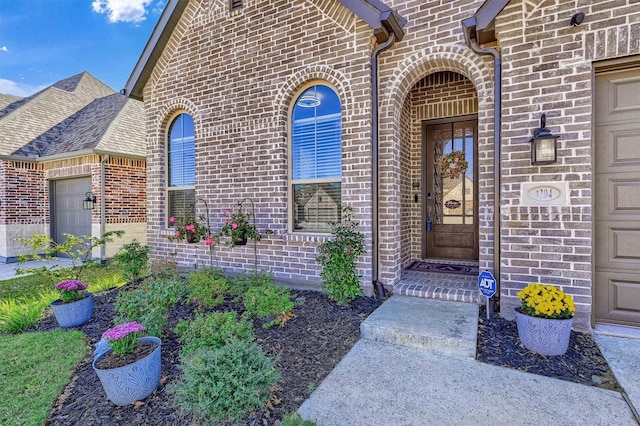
x,y
33,369
24,298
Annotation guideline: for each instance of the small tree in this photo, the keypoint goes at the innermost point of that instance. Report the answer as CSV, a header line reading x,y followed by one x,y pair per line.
x,y
133,257
76,248
338,259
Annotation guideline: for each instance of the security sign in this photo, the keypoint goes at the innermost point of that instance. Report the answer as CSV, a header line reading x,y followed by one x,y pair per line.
x,y
487,284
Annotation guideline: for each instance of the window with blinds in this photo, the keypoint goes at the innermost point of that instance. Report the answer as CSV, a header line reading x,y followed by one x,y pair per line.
x,y
235,5
181,168
316,159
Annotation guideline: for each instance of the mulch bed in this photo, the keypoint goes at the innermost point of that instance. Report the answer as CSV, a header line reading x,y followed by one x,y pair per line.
x,y
306,348
498,344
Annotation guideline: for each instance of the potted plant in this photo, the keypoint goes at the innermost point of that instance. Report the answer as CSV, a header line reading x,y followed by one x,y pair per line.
x,y
128,364
191,230
237,225
544,319
75,305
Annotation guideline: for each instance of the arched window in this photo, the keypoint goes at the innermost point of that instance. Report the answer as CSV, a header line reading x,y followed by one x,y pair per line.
x,y
181,168
315,160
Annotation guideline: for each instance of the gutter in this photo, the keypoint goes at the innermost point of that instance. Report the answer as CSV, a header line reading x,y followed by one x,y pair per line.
x,y
470,27
103,208
379,288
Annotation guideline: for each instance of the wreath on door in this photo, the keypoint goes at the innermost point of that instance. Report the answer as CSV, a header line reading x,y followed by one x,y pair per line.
x,y
452,165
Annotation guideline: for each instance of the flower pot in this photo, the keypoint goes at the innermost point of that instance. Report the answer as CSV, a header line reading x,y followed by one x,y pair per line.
x,y
544,336
191,237
239,239
132,382
73,314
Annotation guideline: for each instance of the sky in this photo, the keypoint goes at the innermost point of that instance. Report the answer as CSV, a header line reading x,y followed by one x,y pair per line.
x,y
44,41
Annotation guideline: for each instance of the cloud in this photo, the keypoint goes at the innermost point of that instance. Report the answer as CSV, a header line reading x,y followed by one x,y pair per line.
x,y
19,89
4,49
122,10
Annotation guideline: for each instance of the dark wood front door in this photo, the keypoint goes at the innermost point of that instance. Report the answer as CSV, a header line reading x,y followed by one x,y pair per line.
x,y
451,208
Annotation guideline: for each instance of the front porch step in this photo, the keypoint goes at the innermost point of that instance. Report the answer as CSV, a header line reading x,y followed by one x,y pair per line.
x,y
448,328
442,286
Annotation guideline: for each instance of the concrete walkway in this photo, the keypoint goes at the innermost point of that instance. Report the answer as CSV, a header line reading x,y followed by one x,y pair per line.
x,y
390,379
8,270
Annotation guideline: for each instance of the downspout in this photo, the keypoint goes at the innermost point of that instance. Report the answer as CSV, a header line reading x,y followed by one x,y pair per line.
x,y
467,26
103,208
374,142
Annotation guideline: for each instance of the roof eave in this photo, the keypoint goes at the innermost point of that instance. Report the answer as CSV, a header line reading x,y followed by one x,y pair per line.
x,y
380,17
480,25
153,49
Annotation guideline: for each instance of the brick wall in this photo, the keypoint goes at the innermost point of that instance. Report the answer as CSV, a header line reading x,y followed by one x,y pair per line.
x,y
548,67
238,83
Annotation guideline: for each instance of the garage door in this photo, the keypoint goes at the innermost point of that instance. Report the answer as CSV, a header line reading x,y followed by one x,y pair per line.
x,y
617,197
68,215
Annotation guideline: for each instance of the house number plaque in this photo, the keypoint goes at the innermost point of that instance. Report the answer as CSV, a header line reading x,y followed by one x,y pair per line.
x,y
545,194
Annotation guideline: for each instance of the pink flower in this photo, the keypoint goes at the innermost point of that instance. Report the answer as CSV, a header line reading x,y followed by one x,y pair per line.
x,y
234,225
225,214
122,330
208,241
189,228
172,219
177,233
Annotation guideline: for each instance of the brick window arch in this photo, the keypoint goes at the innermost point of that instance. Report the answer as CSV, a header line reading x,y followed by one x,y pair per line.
x,y
315,159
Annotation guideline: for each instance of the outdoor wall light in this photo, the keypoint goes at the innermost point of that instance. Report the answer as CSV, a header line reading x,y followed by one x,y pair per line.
x,y
89,201
577,19
544,149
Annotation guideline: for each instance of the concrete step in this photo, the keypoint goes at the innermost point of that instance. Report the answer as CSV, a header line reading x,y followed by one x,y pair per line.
x,y
449,328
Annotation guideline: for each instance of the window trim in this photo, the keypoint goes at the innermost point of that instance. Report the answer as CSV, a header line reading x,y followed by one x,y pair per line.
x,y
170,119
290,181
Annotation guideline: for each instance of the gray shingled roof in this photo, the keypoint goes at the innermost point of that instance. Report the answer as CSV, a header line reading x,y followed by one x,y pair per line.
x,y
78,113
6,100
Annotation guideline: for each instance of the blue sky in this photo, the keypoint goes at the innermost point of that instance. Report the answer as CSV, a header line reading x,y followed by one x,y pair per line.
x,y
44,41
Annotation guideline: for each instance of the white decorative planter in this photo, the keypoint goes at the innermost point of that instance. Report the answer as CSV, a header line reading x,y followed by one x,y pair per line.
x,y
544,336
73,314
133,382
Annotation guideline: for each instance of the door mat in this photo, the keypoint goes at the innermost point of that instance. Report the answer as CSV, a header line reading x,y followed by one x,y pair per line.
x,y
444,268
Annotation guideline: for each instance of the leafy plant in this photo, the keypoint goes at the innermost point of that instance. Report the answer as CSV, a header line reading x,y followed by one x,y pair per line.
x,y
267,300
107,281
241,283
76,248
165,269
149,304
212,331
191,229
224,384
17,315
207,287
338,259
72,290
123,338
238,225
133,258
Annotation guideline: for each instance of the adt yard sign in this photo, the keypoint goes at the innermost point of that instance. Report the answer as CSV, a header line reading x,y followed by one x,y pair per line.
x,y
487,284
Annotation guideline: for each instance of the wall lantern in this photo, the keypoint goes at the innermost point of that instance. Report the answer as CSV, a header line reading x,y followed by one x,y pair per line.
x,y
544,149
89,201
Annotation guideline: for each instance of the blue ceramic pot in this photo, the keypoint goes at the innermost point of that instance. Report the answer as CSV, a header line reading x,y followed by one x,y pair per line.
x,y
544,336
133,382
73,314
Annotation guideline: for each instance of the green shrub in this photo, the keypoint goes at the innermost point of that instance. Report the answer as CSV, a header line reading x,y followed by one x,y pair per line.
x,y
338,259
164,269
149,304
207,287
225,384
295,420
267,300
243,282
212,331
107,282
133,258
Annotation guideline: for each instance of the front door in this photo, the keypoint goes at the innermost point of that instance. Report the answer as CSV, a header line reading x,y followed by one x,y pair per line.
x,y
68,215
617,197
451,209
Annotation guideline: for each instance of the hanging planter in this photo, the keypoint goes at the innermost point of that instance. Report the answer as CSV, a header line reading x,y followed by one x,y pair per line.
x,y
239,239
452,165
